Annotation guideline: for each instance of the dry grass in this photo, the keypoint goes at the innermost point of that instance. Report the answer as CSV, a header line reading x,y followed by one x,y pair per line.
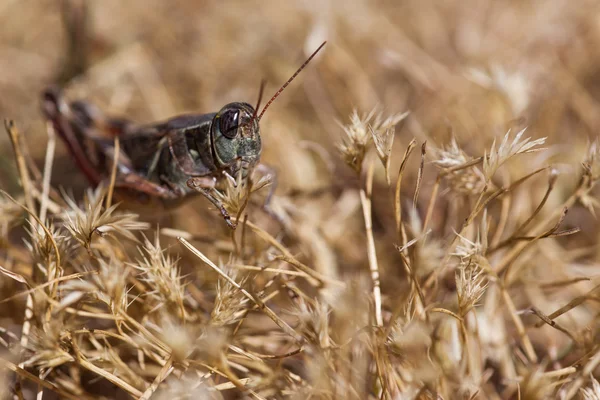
x,y
466,270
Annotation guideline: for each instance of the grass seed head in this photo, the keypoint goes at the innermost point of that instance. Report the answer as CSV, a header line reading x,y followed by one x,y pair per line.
x,y
230,303
468,180
92,218
160,272
506,150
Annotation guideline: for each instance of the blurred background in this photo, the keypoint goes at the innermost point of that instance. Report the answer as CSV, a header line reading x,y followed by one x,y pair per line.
x,y
469,70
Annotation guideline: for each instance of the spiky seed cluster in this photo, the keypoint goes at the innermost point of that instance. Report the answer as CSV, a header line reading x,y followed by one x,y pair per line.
x,y
235,193
471,283
463,180
471,278
506,150
591,173
48,348
383,133
591,163
162,275
92,219
230,304
359,133
41,245
354,145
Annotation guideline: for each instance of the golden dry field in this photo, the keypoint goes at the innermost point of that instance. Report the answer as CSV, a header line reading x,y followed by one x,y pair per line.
x,y
433,233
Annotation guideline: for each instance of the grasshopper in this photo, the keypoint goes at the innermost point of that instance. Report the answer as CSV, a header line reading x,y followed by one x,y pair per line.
x,y
168,160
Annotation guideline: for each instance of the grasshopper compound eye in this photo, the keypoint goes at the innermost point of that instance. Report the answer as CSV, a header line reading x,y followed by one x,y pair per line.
x,y
229,122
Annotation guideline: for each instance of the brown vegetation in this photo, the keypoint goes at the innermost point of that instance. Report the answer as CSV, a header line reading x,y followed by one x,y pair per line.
x,y
437,168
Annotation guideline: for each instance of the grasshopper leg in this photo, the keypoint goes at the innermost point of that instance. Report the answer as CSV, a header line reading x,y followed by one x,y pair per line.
x,y
57,112
140,184
204,186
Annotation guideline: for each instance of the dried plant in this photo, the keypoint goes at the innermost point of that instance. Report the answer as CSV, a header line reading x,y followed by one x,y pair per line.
x,y
92,219
359,133
230,304
468,180
355,145
471,283
236,193
162,276
383,133
469,279
505,151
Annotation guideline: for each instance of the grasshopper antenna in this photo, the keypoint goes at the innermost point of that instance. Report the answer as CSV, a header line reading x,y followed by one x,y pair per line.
x,y
282,88
263,83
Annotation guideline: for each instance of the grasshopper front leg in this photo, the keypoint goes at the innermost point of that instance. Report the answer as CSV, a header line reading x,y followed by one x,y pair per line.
x,y
204,186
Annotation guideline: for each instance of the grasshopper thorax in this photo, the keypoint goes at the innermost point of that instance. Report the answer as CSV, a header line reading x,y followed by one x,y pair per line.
x,y
235,137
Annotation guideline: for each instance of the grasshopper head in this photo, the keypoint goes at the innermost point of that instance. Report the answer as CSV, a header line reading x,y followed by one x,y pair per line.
x,y
236,137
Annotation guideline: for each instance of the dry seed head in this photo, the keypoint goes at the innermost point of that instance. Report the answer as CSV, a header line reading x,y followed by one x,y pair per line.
x,y
82,223
313,322
230,304
463,181
383,133
471,283
233,195
161,273
41,245
591,162
111,282
47,349
355,145
471,280
506,150
467,249
359,133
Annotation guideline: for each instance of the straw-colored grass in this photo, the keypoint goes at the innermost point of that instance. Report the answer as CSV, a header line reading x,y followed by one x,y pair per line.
x,y
435,231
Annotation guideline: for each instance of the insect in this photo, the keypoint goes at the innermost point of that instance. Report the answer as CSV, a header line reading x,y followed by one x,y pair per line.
x,y
168,160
